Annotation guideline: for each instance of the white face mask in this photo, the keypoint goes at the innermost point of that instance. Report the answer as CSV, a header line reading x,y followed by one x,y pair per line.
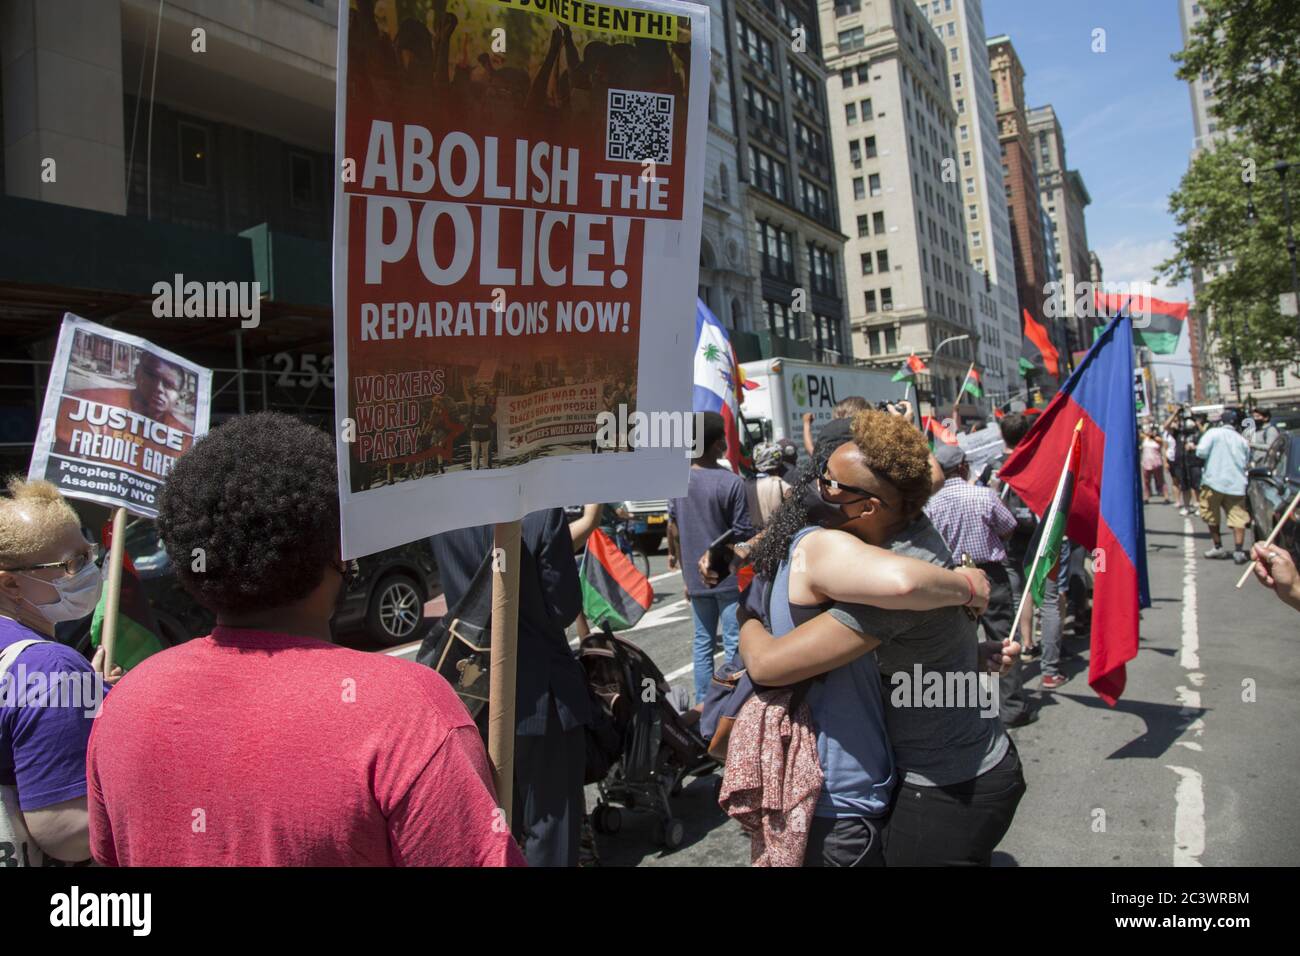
x,y
78,595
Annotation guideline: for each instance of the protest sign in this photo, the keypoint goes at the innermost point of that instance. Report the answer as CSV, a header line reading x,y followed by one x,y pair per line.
x,y
516,242
982,446
118,413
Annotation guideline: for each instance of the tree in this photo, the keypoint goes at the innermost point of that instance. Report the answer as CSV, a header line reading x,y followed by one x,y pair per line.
x,y
1245,263
1250,51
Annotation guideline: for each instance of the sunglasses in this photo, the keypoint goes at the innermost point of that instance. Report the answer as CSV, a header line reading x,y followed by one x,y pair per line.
x,y
829,484
71,567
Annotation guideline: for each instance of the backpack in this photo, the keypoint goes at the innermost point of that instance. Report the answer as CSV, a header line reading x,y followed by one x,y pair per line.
x,y
459,646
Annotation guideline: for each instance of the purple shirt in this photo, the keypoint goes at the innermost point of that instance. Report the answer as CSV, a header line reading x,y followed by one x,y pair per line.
x,y
971,520
42,745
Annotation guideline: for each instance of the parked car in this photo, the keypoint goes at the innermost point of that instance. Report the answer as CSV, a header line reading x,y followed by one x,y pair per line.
x,y
385,603
1269,489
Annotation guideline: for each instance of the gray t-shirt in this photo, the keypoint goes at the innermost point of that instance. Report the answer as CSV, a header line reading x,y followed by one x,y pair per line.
x,y
958,739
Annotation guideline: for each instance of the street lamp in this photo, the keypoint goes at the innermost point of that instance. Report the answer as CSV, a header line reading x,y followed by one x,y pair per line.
x,y
1281,167
934,354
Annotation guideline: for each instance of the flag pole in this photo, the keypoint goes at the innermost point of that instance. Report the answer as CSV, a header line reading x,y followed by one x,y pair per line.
x,y
501,678
956,418
113,588
1048,518
1276,528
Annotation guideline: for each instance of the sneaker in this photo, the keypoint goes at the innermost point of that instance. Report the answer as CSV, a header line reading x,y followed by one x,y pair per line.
x,y
1184,512
1240,557
1216,553
1052,681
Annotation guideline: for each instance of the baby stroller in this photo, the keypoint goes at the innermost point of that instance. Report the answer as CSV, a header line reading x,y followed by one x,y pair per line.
x,y
660,747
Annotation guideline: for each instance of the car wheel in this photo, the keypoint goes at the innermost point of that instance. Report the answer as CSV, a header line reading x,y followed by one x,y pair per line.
x,y
395,614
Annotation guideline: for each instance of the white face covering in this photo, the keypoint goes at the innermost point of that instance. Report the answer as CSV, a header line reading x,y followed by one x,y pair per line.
x,y
78,595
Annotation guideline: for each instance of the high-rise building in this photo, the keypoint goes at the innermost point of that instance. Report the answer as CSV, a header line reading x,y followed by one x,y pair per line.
x,y
1020,180
960,26
779,88
727,283
1063,197
892,128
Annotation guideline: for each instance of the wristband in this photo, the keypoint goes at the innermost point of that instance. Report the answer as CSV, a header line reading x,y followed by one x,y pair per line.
x,y
970,584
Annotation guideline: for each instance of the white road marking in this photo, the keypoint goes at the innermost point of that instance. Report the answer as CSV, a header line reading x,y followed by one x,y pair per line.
x,y
1190,657
686,669
1189,797
660,577
1189,817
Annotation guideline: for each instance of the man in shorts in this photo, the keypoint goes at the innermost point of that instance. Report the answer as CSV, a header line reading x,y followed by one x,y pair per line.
x,y
1223,484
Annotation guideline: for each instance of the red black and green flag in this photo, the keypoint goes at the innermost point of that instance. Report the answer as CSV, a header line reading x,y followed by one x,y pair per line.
x,y
972,384
137,628
614,592
937,431
1036,350
910,369
1156,324
1043,558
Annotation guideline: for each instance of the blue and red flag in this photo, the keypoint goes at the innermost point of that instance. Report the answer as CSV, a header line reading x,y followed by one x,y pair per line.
x,y
1106,505
718,378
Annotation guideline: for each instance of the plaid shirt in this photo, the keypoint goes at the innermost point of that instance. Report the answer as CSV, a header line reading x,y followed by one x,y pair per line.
x,y
971,520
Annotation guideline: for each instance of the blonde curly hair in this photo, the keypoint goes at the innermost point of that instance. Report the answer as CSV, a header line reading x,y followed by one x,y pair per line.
x,y
897,453
32,514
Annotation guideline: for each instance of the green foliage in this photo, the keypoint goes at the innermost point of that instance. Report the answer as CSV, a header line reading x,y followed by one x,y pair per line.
x,y
1251,50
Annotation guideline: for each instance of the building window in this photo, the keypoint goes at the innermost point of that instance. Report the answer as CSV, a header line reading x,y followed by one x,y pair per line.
x,y
891,340
777,251
762,109
970,185
975,238
952,54
956,81
780,319
886,299
867,113
855,154
1279,378
821,266
965,158
873,341
863,71
757,46
874,183
850,112
846,74
877,222
965,133
859,188
864,227
769,173
972,212
870,144
194,169
302,191
868,265
850,39
870,297
961,106
882,260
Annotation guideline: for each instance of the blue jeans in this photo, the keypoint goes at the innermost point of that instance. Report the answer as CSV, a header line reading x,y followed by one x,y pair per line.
x,y
706,610
1051,611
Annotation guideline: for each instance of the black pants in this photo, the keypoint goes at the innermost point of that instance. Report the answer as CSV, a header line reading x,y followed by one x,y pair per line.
x,y
957,825
548,799
844,841
997,621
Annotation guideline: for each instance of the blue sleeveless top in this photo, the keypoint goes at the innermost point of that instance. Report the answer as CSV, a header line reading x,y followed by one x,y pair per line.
x,y
848,711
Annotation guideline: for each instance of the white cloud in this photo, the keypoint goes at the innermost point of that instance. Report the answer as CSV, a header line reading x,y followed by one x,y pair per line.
x,y
1136,260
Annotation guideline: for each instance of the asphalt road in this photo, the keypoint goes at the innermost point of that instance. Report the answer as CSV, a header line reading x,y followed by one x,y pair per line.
x,y
1198,764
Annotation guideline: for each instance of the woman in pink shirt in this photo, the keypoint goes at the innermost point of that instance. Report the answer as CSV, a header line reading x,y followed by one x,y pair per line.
x,y
264,744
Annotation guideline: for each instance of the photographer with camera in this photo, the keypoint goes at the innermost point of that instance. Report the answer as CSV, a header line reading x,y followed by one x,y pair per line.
x,y
1185,468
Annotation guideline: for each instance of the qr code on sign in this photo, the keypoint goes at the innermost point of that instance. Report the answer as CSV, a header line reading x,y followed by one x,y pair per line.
x,y
640,127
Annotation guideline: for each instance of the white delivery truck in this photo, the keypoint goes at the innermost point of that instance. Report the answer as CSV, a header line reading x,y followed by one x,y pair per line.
x,y
788,388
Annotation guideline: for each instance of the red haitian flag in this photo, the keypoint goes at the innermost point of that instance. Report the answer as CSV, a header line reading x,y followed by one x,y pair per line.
x,y
1105,510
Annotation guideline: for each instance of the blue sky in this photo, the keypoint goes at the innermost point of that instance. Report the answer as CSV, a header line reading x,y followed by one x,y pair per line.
x,y
1127,121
